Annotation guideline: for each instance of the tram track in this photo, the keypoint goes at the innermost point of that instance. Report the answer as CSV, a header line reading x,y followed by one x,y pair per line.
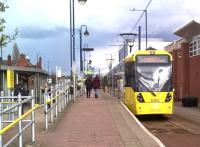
x,y
173,130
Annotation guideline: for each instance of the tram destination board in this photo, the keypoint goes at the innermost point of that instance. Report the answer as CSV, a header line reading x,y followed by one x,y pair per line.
x,y
152,59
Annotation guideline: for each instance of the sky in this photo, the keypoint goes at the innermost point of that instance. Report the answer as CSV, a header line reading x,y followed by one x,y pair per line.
x,y
44,27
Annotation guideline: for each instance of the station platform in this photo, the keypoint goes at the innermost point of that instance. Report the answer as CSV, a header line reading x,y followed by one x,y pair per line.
x,y
96,122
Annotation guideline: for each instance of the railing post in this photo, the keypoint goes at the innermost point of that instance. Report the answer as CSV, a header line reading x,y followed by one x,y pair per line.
x,y
67,93
20,122
9,105
1,123
45,110
56,100
13,111
63,95
51,105
33,116
59,97
70,95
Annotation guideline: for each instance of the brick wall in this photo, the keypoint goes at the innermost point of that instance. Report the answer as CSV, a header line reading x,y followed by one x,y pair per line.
x,y
181,70
194,77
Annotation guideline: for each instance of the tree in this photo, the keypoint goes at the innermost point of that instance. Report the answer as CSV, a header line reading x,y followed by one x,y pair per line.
x,y
15,52
4,38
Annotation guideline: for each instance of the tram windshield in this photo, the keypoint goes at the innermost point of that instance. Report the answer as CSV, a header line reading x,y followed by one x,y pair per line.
x,y
154,74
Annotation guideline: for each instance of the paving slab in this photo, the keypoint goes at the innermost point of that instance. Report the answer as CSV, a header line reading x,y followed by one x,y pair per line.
x,y
95,122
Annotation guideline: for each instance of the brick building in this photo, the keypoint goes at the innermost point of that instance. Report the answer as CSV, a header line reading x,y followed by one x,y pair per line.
x,y
186,64
25,73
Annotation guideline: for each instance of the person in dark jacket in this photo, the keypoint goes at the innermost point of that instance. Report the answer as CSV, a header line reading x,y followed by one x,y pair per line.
x,y
96,85
19,89
88,84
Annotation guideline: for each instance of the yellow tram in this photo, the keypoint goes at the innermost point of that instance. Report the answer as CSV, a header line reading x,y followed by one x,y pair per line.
x,y
148,82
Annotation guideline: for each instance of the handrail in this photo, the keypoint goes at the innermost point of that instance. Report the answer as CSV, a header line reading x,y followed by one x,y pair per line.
x,y
13,122
13,97
18,119
8,102
54,98
53,90
16,105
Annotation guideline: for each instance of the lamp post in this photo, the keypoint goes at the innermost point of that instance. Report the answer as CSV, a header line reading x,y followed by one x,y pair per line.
x,y
72,44
85,46
86,33
86,49
144,11
109,63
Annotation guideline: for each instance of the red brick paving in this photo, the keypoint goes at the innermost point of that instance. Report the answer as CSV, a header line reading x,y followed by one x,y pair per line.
x,y
93,122
88,123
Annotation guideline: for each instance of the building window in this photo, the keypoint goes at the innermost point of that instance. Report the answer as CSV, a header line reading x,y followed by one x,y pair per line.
x,y
179,53
194,46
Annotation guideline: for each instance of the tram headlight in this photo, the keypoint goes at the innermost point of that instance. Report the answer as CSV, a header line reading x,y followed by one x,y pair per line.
x,y
140,98
168,97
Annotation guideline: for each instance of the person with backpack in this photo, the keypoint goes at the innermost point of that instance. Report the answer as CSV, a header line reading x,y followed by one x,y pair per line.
x,y
88,85
96,85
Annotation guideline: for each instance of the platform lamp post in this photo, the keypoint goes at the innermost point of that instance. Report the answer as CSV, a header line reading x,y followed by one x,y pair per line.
x,y
109,63
72,45
86,34
86,49
144,11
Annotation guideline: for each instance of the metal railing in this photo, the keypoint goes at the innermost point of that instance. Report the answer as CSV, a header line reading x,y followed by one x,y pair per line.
x,y
11,115
56,100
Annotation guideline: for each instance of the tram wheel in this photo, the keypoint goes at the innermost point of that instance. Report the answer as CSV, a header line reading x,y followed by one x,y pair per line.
x,y
189,101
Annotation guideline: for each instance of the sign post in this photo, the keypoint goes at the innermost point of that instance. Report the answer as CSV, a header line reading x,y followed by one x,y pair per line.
x,y
10,79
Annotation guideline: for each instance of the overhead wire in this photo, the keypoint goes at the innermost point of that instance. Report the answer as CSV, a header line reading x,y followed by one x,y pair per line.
x,y
141,16
138,20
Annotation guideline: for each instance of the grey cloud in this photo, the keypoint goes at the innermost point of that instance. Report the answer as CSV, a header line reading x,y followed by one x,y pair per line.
x,y
165,35
39,32
99,38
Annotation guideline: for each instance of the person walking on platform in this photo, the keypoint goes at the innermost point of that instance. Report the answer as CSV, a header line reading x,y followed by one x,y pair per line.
x,y
44,90
96,85
88,84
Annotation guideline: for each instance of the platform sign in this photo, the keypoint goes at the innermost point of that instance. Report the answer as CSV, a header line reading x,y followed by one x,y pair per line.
x,y
10,79
58,72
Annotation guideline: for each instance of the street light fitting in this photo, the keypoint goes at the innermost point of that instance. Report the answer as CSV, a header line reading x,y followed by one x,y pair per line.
x,y
82,2
127,34
90,61
86,33
137,10
128,37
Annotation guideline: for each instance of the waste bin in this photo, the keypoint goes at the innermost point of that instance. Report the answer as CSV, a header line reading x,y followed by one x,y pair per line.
x,y
190,101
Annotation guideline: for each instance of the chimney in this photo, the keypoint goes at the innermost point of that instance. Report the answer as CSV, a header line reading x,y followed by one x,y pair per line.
x,y
22,56
40,62
22,61
9,62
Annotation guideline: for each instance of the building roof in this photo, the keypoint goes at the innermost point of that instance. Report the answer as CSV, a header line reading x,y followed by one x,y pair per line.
x,y
175,45
24,69
189,29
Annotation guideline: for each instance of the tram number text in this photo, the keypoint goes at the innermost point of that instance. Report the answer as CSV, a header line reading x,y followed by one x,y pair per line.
x,y
155,100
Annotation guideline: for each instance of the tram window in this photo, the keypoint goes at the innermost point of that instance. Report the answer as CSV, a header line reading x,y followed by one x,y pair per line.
x,y
129,74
